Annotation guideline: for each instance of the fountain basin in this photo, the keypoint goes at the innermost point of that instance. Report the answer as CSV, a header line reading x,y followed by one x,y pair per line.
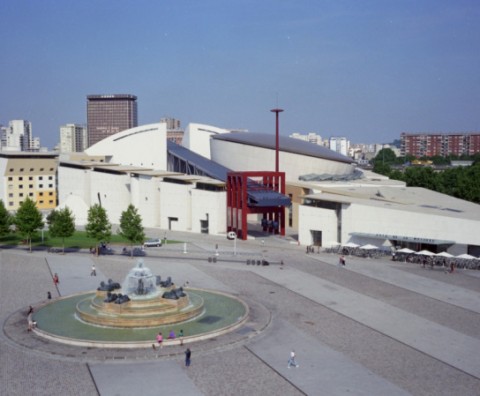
x,y
58,321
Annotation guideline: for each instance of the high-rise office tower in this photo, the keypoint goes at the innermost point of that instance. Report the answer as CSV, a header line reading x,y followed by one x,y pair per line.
x,y
110,114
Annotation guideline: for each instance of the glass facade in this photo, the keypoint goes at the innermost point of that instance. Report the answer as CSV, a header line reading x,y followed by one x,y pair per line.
x,y
110,114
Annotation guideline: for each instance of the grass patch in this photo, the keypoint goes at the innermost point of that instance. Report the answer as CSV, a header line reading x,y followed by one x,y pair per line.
x,y
79,240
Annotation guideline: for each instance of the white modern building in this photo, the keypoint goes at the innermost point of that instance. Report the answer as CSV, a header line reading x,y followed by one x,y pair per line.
x,y
387,214
332,202
133,171
197,138
256,151
143,146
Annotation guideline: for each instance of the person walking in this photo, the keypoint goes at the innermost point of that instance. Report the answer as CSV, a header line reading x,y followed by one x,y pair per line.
x,y
188,355
94,271
56,280
291,360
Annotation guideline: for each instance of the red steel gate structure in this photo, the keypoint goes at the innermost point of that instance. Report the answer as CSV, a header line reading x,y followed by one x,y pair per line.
x,y
256,192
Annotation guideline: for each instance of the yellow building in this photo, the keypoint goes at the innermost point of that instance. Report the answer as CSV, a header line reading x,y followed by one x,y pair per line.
x,y
30,175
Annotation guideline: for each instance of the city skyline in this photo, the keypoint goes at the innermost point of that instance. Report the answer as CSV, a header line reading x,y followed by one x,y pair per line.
x,y
367,71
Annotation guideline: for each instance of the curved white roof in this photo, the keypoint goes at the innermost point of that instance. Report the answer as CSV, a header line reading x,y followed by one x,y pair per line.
x,y
144,146
286,144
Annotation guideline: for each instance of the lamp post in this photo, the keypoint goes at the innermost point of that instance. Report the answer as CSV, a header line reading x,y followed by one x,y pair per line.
x,y
277,144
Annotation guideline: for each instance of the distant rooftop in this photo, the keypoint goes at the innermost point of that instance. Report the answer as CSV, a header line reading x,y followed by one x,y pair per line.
x,y
112,96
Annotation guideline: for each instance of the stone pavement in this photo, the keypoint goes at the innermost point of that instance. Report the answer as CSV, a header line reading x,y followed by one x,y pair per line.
x,y
372,328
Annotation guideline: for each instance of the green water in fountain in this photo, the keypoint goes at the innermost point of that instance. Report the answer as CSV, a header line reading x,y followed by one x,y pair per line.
x,y
58,318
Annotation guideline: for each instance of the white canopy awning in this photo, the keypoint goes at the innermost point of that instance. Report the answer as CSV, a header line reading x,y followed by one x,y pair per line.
x,y
368,247
405,250
466,256
425,253
351,245
444,254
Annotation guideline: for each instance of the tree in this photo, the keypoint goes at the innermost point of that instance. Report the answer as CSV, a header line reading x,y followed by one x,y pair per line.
x,y
51,217
98,227
5,220
131,226
382,169
28,220
385,156
422,177
61,224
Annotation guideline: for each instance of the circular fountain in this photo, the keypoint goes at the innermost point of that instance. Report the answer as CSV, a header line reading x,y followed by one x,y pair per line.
x,y
130,314
143,300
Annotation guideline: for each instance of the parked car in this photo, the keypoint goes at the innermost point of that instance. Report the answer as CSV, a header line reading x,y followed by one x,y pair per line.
x,y
137,252
105,250
152,242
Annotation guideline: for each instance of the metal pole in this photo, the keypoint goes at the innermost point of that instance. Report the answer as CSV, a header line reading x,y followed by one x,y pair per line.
x,y
277,144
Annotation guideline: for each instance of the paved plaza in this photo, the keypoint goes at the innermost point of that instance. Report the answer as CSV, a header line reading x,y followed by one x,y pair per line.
x,y
373,327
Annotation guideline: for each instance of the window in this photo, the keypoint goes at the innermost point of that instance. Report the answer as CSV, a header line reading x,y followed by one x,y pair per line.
x,y
10,170
10,203
40,186
41,202
40,178
21,169
50,202
50,177
20,178
30,186
10,178
30,194
30,178
50,185
10,195
50,193
20,195
31,169
41,169
41,194
20,186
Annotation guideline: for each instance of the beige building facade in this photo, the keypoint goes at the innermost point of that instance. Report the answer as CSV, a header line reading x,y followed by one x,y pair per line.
x,y
31,175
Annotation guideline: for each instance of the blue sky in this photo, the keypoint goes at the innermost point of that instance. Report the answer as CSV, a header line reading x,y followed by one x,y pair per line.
x,y
367,70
